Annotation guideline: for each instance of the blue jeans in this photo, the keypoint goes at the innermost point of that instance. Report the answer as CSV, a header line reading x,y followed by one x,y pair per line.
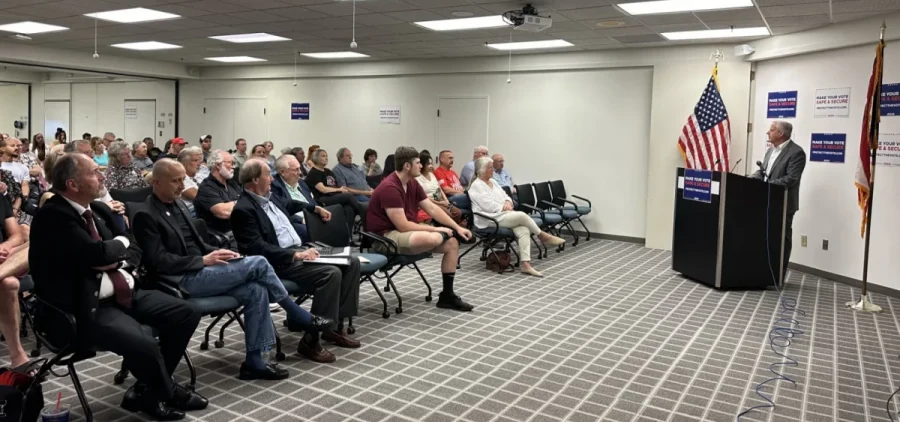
x,y
461,201
362,198
251,281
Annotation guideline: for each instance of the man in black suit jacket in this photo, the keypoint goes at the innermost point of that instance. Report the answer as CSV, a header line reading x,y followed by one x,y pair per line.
x,y
90,281
174,250
783,165
261,227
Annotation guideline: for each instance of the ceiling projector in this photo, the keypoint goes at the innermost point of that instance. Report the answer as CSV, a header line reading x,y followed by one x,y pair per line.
x,y
527,19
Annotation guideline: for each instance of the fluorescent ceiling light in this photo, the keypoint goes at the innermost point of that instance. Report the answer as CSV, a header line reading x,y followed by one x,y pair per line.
x,y
529,45
335,55
467,23
235,59
245,38
29,27
717,33
674,6
146,45
138,14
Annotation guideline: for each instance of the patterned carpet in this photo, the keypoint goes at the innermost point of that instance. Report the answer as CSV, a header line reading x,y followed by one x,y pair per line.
x,y
610,334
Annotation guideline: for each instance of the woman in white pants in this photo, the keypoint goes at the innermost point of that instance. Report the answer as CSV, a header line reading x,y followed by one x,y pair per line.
x,y
488,198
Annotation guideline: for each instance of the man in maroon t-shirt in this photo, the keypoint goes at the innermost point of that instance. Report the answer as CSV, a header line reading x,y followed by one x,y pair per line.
x,y
392,214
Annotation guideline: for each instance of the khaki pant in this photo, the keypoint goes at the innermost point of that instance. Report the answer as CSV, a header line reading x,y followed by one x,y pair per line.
x,y
523,227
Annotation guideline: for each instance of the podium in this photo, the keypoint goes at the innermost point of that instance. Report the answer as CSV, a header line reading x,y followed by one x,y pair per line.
x,y
720,232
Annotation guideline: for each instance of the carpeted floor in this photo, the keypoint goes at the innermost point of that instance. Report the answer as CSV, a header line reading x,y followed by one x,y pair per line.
x,y
610,334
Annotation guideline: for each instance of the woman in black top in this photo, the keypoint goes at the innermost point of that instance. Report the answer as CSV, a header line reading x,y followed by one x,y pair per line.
x,y
327,191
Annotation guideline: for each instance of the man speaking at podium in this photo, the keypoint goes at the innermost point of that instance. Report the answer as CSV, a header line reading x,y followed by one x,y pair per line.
x,y
783,165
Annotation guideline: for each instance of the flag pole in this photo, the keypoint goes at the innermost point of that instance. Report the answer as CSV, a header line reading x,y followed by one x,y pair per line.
x,y
864,304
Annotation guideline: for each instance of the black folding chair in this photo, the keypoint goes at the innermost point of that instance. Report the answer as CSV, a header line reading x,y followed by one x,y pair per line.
x,y
489,237
26,285
546,204
547,221
395,262
131,195
558,189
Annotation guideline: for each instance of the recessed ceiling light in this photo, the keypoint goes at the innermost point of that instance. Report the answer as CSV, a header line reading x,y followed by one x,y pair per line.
x,y
22,37
135,15
529,45
610,24
461,14
146,45
246,38
461,24
717,33
674,6
29,27
235,59
336,55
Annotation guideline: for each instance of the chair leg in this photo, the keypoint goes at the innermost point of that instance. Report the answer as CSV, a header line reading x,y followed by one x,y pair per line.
x,y
122,375
538,245
571,231
513,250
474,245
190,364
220,343
424,280
85,407
580,221
279,355
240,321
384,314
204,345
350,328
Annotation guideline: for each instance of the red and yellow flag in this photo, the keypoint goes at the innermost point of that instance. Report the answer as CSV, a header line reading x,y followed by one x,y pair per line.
x,y
868,141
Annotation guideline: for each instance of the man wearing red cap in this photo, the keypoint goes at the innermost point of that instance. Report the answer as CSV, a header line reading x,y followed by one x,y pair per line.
x,y
176,147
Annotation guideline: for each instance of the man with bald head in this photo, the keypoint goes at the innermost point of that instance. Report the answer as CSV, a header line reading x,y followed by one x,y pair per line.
x,y
175,251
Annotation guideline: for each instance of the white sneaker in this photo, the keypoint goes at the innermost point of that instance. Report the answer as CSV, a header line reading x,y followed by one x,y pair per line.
x,y
274,307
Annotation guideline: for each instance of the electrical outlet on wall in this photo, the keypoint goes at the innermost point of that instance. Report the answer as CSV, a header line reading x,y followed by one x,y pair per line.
x,y
803,240
824,244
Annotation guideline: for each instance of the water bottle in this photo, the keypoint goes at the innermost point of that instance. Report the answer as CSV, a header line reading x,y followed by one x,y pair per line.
x,y
267,355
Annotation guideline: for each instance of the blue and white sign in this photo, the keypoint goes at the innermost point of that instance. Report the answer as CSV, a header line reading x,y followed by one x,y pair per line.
x,y
698,185
828,147
890,99
299,111
782,104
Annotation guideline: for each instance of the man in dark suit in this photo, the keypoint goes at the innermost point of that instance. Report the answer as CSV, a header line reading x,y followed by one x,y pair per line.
x,y
260,223
174,250
783,165
90,280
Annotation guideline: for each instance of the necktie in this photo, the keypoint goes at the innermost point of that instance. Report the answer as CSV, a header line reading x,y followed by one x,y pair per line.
x,y
120,286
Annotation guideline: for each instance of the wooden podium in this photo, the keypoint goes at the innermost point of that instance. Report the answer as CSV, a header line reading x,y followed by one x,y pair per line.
x,y
719,238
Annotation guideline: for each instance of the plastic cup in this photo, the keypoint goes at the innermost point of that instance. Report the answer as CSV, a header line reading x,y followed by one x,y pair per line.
x,y
51,414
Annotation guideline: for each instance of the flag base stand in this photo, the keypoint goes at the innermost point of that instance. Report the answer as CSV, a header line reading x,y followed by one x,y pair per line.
x,y
864,305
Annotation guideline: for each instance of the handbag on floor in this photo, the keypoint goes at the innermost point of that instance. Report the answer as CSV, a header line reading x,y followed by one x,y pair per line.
x,y
21,395
499,261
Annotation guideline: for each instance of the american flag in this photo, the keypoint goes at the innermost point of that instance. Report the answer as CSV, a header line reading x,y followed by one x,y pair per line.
x,y
868,141
706,137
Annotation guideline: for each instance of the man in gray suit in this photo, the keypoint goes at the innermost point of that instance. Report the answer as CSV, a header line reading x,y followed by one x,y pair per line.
x,y
783,165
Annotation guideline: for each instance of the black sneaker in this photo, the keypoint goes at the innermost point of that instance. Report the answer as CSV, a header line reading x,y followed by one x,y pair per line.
x,y
453,302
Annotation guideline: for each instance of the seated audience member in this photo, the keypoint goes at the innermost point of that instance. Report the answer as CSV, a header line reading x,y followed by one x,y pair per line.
x,y
270,159
300,155
14,176
259,151
149,142
91,282
370,163
59,137
190,158
468,172
449,181
218,193
287,186
327,191
174,249
121,173
175,146
84,148
86,136
39,148
351,176
489,199
240,154
13,263
309,164
140,157
108,138
392,214
432,188
206,146
388,165
502,177
28,158
99,154
261,227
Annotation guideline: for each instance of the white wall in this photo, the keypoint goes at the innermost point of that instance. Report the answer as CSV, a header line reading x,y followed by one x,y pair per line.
x,y
100,107
828,208
14,107
589,128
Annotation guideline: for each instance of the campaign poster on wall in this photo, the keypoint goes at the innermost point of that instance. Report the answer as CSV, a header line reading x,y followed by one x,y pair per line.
x,y
827,147
389,114
782,104
889,149
299,111
832,102
890,99
698,185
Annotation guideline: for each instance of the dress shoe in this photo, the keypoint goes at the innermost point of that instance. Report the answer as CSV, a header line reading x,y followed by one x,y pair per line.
x,y
340,339
136,401
187,400
315,353
554,241
317,324
451,301
531,271
271,373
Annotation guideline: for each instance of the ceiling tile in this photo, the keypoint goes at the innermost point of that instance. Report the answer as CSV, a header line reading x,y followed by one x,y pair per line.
x,y
222,19
415,15
501,7
667,19
567,27
679,27
382,6
72,22
256,4
180,10
628,39
404,28
743,23
592,13
446,12
865,6
259,16
570,4
789,29
844,17
631,30
796,10
328,23
376,19
762,3
343,8
594,41
215,6
728,15
578,35
798,20
428,4
298,12
602,47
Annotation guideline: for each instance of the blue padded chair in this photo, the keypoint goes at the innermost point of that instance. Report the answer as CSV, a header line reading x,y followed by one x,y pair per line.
x,y
547,221
545,202
558,190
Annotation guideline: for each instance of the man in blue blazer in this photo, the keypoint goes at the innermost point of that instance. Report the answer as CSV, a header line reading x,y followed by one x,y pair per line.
x,y
288,185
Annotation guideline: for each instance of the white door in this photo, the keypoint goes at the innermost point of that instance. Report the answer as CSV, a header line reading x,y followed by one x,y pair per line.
x,y
140,121
56,115
250,121
462,124
218,121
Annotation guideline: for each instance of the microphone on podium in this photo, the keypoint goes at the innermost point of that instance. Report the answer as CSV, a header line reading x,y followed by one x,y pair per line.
x,y
762,170
735,165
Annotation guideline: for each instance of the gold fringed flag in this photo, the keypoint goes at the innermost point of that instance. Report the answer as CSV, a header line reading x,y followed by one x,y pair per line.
x,y
706,137
868,141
